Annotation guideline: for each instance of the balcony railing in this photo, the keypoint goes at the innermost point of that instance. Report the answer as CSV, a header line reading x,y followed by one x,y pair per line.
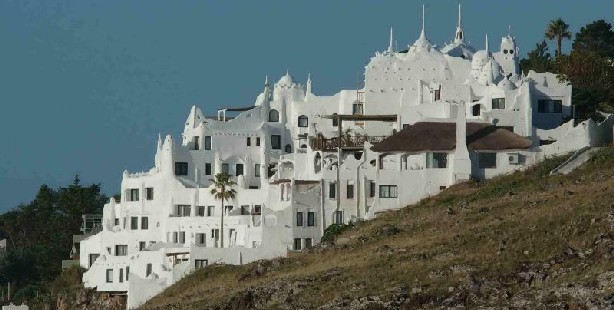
x,y
347,142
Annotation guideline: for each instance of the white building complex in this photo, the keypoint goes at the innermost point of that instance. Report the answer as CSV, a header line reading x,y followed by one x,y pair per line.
x,y
426,118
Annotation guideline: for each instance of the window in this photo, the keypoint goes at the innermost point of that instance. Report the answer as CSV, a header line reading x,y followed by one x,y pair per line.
x,y
436,160
257,170
257,209
257,141
127,272
200,263
142,245
437,94
276,142
133,194
303,121
134,223
288,148
201,239
372,189
498,103
181,168
381,161
239,169
339,217
148,270
299,218
311,218
210,210
388,191
201,210
476,110
225,169
487,160
109,275
249,141
335,120
116,221
357,109
332,190
195,141
182,210
350,190
149,193
549,106
274,116
207,142
121,250
207,168
228,209
92,259
297,244
182,237
121,275
308,243
245,210
144,222
175,237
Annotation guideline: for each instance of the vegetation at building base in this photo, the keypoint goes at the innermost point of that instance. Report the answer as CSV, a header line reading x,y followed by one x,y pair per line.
x,y
525,240
39,236
589,67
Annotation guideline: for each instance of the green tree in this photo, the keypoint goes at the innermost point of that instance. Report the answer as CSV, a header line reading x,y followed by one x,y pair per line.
x,y
222,190
538,60
559,30
596,37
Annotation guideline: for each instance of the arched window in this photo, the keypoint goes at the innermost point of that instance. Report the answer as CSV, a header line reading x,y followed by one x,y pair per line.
x,y
274,116
288,148
303,121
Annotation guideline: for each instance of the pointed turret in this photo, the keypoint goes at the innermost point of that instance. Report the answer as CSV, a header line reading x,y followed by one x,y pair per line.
x,y
460,36
308,90
159,141
422,43
390,46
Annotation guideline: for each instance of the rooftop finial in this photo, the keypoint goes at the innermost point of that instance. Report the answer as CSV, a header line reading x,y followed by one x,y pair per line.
x,y
266,80
422,21
509,30
459,15
390,47
486,43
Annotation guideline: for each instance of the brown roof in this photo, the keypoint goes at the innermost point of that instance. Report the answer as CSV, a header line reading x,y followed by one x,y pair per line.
x,y
433,136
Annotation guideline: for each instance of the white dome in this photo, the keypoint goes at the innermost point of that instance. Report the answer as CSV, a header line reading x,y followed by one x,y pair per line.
x,y
286,80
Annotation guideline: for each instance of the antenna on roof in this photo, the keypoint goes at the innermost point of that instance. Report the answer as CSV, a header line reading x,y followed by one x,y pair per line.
x,y
509,30
486,43
266,80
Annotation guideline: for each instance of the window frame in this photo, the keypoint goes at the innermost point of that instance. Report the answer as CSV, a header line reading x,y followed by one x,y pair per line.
x,y
273,116
299,219
276,142
109,275
482,161
208,143
303,121
386,191
181,168
239,169
311,219
144,222
149,193
498,103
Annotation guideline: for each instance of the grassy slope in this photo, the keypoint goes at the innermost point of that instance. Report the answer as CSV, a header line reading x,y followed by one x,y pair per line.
x,y
518,240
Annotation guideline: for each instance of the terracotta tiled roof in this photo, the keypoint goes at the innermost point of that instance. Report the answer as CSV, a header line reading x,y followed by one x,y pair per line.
x,y
434,136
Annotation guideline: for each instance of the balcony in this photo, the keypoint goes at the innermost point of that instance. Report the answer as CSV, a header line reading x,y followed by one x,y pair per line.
x,y
347,142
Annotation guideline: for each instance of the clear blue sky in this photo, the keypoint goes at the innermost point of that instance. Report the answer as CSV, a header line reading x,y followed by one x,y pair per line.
x,y
86,86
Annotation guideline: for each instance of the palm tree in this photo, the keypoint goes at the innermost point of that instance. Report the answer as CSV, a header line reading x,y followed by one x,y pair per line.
x,y
222,190
560,30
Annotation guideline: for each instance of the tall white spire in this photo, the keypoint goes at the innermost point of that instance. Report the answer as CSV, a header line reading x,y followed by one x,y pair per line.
x,y
422,34
486,47
390,47
459,15
266,80
308,90
460,36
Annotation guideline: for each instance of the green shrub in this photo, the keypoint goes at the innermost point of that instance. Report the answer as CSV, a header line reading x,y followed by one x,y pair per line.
x,y
331,232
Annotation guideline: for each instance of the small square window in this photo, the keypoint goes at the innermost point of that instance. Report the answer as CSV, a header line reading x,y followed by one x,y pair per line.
x,y
181,168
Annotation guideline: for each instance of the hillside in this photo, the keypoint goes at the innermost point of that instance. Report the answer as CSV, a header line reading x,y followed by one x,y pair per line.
x,y
526,240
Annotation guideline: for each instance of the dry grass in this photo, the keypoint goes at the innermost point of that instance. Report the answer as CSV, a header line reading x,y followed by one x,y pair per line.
x,y
471,231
